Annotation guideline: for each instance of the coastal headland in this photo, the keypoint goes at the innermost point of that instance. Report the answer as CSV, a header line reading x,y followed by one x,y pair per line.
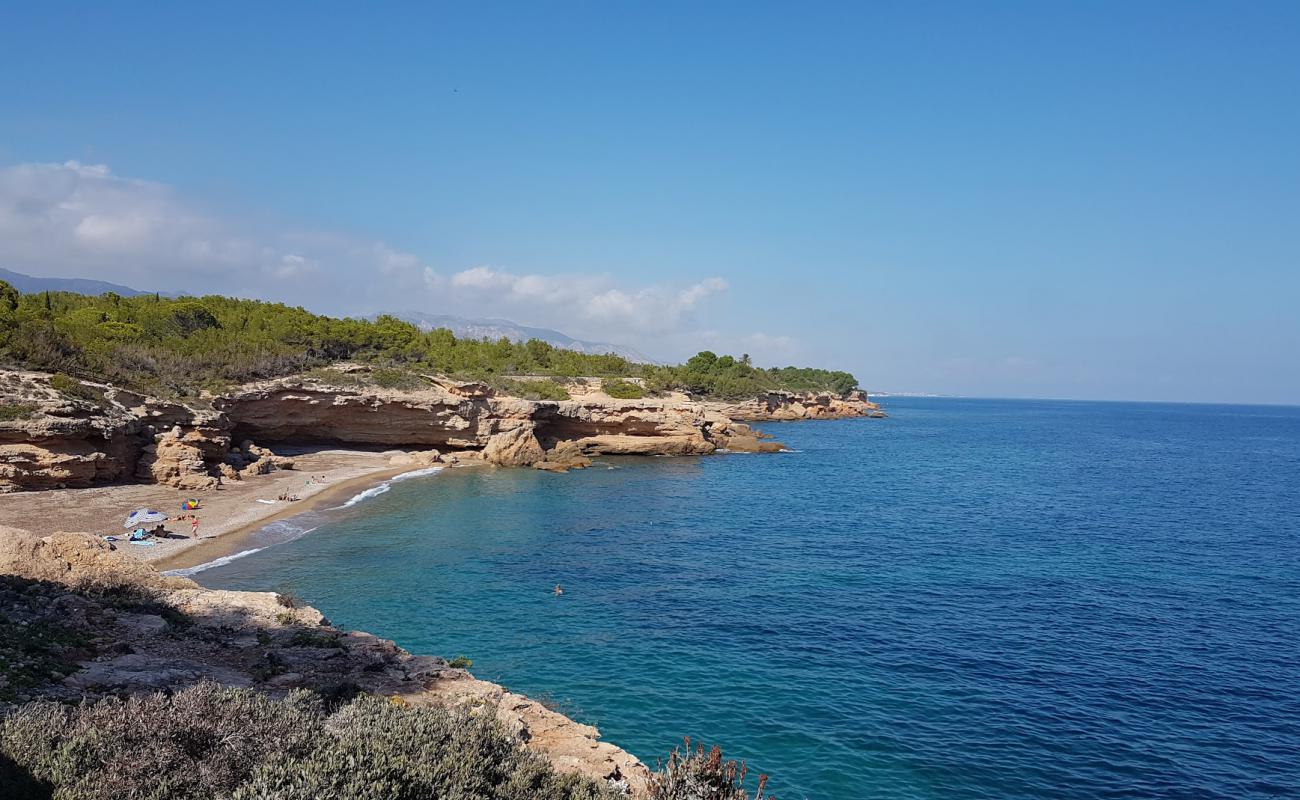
x,y
264,450
170,633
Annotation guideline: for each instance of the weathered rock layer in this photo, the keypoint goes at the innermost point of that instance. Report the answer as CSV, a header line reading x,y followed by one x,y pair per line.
x,y
50,440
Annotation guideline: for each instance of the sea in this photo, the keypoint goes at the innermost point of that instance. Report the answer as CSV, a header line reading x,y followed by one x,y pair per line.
x,y
970,599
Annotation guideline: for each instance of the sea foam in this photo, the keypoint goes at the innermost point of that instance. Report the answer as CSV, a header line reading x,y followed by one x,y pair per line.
x,y
216,562
375,491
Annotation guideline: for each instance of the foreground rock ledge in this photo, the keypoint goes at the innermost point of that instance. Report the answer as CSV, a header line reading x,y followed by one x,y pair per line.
x,y
262,640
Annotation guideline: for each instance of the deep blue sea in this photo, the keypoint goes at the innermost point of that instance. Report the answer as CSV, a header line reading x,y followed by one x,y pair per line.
x,y
971,599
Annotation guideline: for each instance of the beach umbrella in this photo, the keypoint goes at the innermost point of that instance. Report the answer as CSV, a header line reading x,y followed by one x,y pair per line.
x,y
144,516
190,505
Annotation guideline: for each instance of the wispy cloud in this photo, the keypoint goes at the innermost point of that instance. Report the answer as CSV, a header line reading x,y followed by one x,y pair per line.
x,y
82,220
588,299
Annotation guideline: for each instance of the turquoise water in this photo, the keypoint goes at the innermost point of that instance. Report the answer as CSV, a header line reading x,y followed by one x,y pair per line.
x,y
972,599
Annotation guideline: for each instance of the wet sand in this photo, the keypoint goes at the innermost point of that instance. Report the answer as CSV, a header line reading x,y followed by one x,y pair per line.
x,y
224,515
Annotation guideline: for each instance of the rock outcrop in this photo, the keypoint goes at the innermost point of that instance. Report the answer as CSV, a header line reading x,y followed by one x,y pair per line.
x,y
139,631
788,406
507,431
183,458
52,440
514,447
79,561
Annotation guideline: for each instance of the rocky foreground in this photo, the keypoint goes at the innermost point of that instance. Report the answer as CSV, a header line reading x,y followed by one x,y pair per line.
x,y
80,620
51,438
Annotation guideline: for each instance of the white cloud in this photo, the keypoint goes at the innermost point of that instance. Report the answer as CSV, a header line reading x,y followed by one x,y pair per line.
x,y
767,350
82,220
588,299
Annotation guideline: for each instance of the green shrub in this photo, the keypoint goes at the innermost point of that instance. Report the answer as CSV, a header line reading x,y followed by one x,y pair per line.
x,y
15,411
201,742
623,390
176,346
379,750
207,741
709,375
697,775
532,390
71,387
119,331
34,654
394,379
460,662
314,639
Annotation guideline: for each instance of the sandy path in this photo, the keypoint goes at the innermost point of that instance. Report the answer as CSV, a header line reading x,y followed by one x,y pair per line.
x,y
230,509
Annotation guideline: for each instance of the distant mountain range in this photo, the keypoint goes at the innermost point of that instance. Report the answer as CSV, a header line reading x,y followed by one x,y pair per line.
x,y
27,284
463,327
467,328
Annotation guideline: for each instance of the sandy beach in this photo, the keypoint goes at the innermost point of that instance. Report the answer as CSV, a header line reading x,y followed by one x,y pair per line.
x,y
224,514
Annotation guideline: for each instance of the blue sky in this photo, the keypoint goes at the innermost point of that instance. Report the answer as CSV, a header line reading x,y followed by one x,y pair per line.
x,y
1089,200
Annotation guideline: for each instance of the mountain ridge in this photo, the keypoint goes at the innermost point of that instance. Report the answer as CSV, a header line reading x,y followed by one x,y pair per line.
x,y
29,284
496,328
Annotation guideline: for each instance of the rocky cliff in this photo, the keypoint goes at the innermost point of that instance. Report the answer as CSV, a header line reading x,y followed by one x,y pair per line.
x,y
111,625
787,406
49,438
52,438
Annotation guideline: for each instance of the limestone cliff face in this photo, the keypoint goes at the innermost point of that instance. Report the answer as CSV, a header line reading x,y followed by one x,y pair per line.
x,y
53,440
508,431
49,440
179,633
77,442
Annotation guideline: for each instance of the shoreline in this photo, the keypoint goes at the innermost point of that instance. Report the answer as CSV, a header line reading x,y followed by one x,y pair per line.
x,y
210,548
227,517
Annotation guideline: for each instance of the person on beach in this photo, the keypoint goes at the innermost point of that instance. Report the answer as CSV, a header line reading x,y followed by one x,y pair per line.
x,y
194,526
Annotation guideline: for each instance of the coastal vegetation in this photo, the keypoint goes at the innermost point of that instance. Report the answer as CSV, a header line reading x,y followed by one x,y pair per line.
x,y
15,411
211,741
544,389
621,389
178,346
334,741
710,375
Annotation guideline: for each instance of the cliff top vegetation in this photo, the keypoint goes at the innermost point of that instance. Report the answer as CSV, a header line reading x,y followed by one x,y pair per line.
x,y
180,345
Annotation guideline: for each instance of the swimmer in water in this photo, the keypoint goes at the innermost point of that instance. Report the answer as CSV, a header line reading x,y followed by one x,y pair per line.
x,y
557,591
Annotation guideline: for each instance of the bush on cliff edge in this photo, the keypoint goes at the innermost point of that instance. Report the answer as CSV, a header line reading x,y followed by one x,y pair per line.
x,y
622,390
210,741
207,741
